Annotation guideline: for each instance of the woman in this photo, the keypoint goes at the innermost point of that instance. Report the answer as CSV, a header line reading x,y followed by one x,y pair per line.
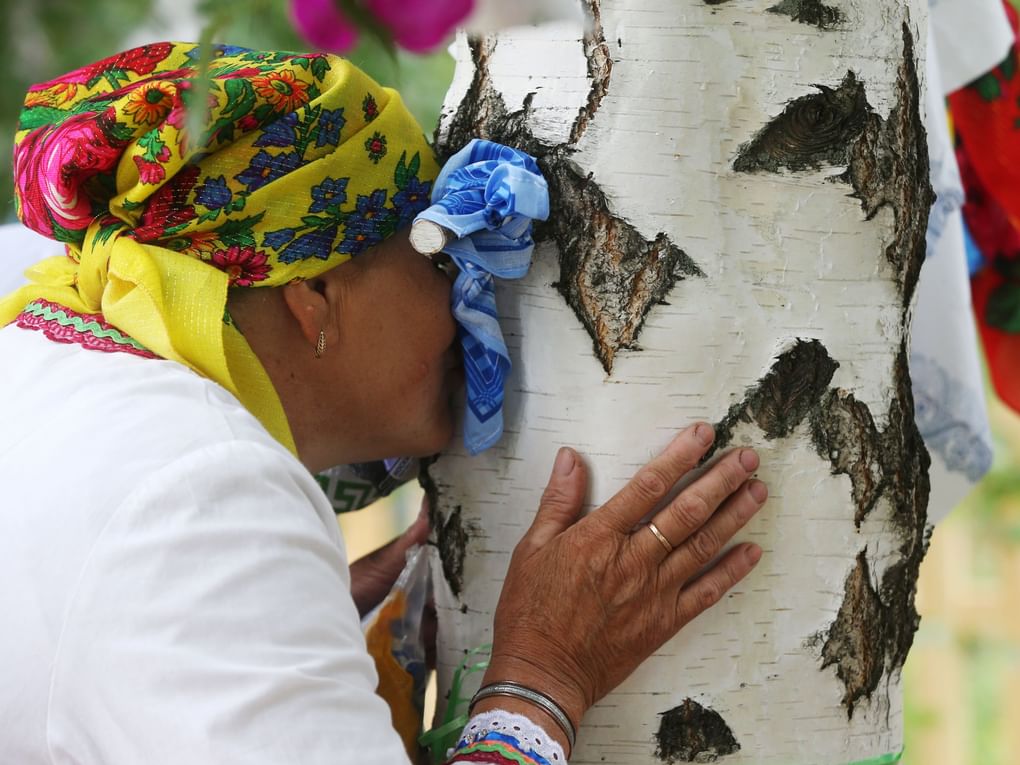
x,y
239,310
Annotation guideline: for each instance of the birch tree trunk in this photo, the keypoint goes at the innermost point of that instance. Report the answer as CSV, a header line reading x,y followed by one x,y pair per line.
x,y
740,195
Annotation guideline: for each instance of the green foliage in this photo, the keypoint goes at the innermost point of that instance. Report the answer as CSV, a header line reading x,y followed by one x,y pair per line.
x,y
404,170
1003,309
43,39
264,24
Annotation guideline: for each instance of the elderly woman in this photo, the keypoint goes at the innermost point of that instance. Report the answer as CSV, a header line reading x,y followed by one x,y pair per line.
x,y
238,310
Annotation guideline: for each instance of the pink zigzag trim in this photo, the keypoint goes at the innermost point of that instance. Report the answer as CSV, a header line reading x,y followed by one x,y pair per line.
x,y
61,333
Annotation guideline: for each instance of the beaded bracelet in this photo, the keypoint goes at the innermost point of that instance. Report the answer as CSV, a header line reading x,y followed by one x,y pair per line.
x,y
538,699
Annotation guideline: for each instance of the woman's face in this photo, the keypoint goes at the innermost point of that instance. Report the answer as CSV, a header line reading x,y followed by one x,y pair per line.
x,y
398,364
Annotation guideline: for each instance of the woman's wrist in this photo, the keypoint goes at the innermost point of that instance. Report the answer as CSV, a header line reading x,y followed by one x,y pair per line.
x,y
533,712
558,689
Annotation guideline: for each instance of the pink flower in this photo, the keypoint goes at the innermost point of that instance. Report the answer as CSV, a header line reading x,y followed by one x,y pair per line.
x,y
322,24
52,163
168,207
142,60
243,265
420,25
417,25
248,122
149,173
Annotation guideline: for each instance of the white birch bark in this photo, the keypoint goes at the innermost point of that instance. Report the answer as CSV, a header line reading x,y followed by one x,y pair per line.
x,y
800,664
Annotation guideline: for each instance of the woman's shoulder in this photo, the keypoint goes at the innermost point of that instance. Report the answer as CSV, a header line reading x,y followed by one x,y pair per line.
x,y
86,430
134,489
133,406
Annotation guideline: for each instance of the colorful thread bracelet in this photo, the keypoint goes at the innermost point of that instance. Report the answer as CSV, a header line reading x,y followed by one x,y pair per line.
x,y
534,697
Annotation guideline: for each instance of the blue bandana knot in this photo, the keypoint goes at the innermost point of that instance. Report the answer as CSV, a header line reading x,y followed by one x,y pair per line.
x,y
487,196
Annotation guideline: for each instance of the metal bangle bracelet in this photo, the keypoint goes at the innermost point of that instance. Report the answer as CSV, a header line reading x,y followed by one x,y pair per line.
x,y
527,694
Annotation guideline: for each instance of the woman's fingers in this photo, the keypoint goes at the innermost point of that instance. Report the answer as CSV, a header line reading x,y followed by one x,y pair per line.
x,y
621,604
561,501
702,546
708,589
373,576
681,520
653,482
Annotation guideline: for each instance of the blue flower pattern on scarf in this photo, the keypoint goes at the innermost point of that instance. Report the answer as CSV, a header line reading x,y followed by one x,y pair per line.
x,y
363,228
281,132
331,122
213,193
332,192
487,195
266,167
372,220
317,243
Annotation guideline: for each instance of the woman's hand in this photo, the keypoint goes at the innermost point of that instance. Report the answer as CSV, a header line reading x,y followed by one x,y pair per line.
x,y
585,602
373,576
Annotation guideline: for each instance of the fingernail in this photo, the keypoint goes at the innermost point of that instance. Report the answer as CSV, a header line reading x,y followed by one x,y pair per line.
x,y
564,464
759,491
424,511
748,459
704,433
753,553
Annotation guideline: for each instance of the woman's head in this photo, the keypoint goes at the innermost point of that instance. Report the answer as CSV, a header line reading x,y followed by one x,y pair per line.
x,y
383,384
301,163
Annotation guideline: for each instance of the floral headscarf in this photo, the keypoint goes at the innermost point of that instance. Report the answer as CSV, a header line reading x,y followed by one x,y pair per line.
x,y
304,161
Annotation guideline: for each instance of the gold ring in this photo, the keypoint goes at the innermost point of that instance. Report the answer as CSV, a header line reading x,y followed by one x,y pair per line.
x,y
659,535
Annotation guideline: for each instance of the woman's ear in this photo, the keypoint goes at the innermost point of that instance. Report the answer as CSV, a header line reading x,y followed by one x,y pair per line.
x,y
308,304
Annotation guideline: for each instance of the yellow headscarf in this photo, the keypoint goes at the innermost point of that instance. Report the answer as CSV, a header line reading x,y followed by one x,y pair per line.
x,y
304,162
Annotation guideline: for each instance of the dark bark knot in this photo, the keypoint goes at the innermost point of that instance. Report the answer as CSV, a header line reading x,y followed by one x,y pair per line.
x,y
875,625
813,131
451,534
693,733
812,12
886,160
611,275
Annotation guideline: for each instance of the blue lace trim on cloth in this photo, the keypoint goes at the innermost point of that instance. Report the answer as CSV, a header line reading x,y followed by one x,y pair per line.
x,y
945,177
487,196
945,412
946,380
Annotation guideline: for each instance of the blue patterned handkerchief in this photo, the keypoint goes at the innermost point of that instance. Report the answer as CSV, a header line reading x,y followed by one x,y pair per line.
x,y
486,195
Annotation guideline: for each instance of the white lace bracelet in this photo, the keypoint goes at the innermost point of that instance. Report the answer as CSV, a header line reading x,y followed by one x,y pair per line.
x,y
526,735
540,700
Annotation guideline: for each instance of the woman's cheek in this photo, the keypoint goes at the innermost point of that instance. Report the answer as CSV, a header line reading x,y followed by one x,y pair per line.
x,y
420,373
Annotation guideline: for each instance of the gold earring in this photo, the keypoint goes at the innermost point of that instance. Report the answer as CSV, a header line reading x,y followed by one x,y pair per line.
x,y
320,346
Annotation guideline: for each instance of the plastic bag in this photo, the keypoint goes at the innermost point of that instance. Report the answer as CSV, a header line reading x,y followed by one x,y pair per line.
x,y
393,634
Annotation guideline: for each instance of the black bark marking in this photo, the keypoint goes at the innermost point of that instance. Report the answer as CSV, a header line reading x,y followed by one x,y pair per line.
x,y
856,639
874,628
610,274
813,131
844,432
693,733
452,539
812,12
785,395
886,160
451,533
906,462
889,166
600,71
